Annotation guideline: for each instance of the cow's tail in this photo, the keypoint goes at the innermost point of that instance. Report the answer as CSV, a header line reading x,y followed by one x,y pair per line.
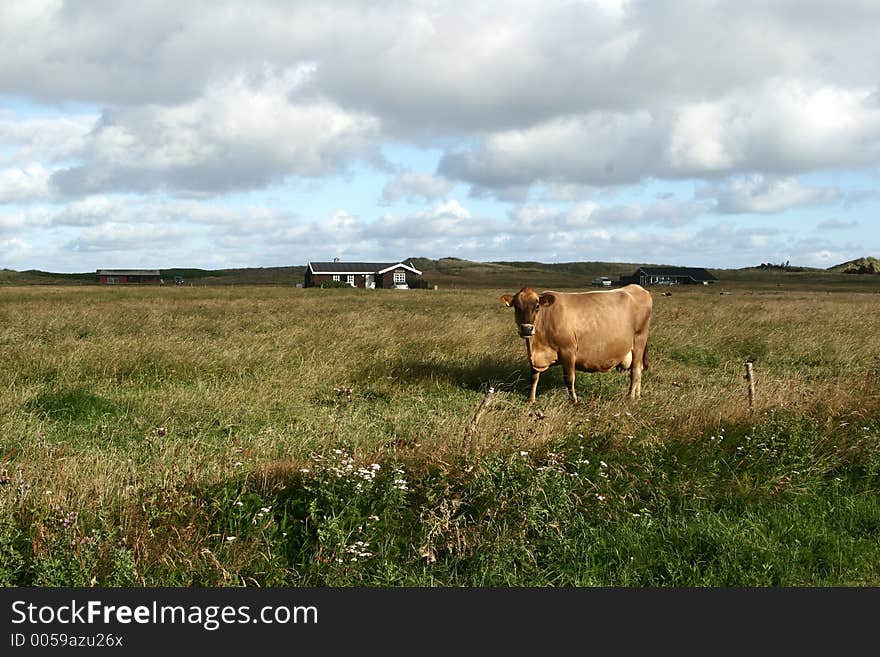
x,y
645,357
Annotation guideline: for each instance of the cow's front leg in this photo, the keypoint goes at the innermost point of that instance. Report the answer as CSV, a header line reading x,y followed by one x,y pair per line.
x,y
535,376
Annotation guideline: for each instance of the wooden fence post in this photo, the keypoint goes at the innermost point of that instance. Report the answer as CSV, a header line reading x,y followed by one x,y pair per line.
x,y
750,377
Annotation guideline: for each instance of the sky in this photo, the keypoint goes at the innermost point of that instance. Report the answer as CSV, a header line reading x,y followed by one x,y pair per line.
x,y
212,134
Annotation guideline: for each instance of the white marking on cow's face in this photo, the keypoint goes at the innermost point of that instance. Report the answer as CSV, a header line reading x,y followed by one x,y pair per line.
x,y
526,330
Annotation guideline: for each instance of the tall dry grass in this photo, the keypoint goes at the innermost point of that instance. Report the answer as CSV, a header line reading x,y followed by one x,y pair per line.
x,y
95,373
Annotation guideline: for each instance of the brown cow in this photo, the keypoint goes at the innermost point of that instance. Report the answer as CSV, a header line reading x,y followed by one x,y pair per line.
x,y
587,331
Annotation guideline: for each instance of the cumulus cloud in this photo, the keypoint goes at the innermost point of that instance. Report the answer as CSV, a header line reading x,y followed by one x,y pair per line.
x,y
565,192
449,218
14,247
837,224
663,211
784,128
89,211
241,134
595,149
666,210
26,141
24,184
20,221
415,187
114,236
766,195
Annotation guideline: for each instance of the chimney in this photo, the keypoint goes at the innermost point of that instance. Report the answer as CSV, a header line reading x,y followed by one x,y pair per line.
x,y
336,259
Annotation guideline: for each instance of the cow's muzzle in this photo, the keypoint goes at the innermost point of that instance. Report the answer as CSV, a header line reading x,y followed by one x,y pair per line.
x,y
526,330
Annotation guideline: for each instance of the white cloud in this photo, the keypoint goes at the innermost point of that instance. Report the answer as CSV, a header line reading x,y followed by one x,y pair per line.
x,y
26,141
240,134
114,236
766,195
14,247
837,224
24,184
785,128
21,221
449,219
592,149
664,211
89,211
565,192
413,187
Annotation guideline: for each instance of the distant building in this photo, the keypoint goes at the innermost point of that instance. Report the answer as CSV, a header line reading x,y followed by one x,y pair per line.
x,y
129,276
646,276
369,275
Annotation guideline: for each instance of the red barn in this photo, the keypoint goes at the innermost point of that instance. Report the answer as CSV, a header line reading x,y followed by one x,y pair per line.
x,y
129,276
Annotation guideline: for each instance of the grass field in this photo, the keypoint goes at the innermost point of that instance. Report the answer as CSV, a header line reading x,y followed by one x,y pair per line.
x,y
248,435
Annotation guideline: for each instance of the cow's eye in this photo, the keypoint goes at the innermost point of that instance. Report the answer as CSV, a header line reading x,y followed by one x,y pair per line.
x,y
538,305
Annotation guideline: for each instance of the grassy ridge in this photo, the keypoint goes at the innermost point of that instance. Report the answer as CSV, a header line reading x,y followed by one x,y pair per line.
x,y
206,436
455,273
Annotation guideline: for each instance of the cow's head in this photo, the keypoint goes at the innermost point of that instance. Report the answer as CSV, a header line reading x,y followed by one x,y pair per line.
x,y
526,304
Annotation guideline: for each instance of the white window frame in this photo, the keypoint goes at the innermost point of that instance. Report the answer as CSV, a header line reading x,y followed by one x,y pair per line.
x,y
399,277
350,279
335,277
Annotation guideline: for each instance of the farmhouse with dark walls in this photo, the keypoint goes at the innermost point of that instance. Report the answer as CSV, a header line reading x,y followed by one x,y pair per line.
x,y
646,276
369,275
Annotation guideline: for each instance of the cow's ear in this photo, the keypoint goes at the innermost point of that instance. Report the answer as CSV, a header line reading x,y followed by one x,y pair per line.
x,y
506,300
547,299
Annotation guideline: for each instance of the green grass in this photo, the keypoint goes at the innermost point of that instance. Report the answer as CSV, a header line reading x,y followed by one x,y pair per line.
x,y
206,436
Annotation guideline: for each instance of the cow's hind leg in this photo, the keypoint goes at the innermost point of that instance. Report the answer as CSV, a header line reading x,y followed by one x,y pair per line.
x,y
635,381
639,360
568,370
